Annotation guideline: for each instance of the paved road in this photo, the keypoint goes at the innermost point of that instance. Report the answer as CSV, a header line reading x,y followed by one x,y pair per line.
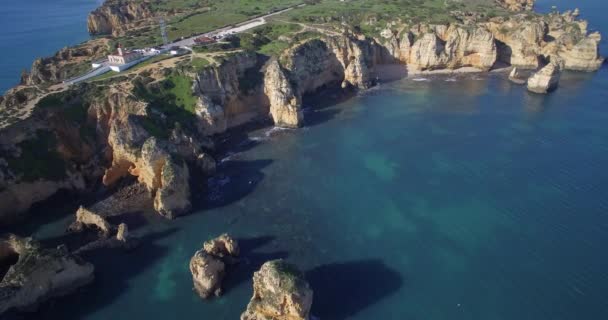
x,y
189,42
244,26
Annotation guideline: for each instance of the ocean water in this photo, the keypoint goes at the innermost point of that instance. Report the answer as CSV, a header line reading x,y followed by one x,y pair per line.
x,y
434,200
37,28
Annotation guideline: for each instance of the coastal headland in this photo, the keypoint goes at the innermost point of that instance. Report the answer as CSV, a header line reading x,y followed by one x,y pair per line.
x,y
161,122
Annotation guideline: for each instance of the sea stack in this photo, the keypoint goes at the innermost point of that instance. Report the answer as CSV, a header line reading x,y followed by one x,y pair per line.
x,y
208,265
279,292
546,79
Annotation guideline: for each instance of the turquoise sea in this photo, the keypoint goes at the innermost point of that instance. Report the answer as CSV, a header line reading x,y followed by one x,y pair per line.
x,y
38,28
431,200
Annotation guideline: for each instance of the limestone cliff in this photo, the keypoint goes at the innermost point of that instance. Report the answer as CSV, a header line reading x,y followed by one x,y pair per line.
x,y
280,292
115,17
525,41
447,47
332,61
36,275
230,94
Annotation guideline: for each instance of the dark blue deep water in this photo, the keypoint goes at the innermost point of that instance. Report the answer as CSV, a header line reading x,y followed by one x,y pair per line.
x,y
36,28
430,200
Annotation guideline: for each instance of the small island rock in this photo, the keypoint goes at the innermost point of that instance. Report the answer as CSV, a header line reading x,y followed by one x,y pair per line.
x,y
208,265
207,274
279,292
547,78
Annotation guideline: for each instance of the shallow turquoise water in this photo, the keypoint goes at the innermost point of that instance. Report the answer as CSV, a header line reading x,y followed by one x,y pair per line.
x,y
35,28
468,199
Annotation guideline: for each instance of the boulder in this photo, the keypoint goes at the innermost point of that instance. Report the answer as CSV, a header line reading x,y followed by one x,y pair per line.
x,y
222,246
280,292
36,275
547,78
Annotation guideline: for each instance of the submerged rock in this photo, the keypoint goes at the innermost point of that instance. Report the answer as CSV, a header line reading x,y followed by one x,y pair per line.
x,y
547,78
280,292
208,265
37,274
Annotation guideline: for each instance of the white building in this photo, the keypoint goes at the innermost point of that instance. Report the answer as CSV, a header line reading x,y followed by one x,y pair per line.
x,y
124,57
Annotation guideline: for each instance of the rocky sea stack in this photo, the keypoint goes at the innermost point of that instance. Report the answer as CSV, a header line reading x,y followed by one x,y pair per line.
x,y
208,265
280,292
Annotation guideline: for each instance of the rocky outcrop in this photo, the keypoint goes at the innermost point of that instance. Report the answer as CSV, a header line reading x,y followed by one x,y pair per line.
x,y
222,246
66,63
547,78
525,41
207,274
279,292
332,61
37,274
517,5
516,77
115,17
208,265
519,41
285,103
583,56
88,219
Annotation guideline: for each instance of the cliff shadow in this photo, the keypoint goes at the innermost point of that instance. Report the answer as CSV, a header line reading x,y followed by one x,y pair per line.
x,y
317,104
113,270
250,260
343,289
52,210
234,180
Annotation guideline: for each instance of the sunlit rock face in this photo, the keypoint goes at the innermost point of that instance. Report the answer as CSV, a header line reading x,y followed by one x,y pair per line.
x,y
280,292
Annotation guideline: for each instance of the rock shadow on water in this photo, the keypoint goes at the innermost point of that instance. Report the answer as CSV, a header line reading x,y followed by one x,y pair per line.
x,y
341,290
234,180
113,270
250,260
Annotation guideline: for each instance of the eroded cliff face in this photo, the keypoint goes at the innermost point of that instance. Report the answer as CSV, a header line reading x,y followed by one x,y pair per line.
x,y
333,61
429,47
115,17
230,94
526,41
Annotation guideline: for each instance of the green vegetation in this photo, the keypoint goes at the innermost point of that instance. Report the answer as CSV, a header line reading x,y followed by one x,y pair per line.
x,y
171,100
200,63
39,159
